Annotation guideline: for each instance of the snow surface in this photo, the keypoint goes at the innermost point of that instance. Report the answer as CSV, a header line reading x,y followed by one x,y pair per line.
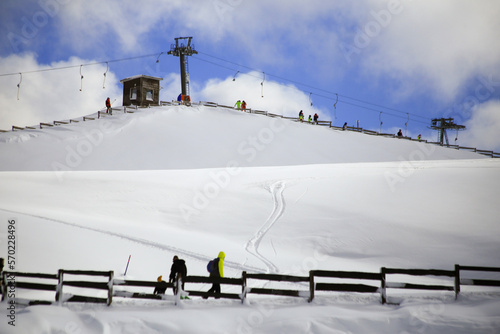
x,y
274,195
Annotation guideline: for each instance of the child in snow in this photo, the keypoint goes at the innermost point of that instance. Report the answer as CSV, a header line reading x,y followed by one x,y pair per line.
x,y
161,286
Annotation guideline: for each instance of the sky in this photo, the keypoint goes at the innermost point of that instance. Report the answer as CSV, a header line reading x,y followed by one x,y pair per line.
x,y
390,65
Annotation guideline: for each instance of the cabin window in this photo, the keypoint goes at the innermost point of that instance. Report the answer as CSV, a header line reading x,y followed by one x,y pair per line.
x,y
133,93
149,94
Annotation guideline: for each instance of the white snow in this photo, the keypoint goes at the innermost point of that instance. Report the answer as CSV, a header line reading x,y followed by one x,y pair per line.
x,y
274,195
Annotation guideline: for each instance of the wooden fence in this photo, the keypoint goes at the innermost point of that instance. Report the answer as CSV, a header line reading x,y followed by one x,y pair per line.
x,y
356,129
359,282
129,109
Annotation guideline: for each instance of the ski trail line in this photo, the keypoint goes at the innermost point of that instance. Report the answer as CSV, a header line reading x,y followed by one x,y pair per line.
x,y
185,253
252,245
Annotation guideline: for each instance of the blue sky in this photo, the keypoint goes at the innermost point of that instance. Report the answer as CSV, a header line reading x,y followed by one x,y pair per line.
x,y
397,61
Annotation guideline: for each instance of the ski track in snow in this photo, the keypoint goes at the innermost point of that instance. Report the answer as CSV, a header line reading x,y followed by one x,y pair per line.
x,y
252,245
185,253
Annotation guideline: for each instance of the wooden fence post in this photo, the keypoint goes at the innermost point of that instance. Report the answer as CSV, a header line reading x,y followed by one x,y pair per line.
x,y
457,280
59,289
4,286
177,290
383,285
311,285
110,287
243,286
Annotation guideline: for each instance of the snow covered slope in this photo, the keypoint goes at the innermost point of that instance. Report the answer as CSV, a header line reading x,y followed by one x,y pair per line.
x,y
174,137
275,195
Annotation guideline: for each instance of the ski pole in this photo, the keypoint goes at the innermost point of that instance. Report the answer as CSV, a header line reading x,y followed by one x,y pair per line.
x,y
125,274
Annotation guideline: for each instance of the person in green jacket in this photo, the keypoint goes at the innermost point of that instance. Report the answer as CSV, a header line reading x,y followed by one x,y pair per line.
x,y
218,271
238,105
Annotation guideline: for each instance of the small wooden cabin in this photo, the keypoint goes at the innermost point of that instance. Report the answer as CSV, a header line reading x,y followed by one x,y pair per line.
x,y
141,90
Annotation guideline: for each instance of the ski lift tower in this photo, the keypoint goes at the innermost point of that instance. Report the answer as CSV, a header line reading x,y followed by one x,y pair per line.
x,y
443,124
181,50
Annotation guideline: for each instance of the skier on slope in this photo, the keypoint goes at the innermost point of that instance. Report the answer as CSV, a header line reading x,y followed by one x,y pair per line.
x,y
316,118
217,271
244,106
301,116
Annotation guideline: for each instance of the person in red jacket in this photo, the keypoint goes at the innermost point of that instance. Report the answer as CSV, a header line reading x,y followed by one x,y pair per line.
x,y
108,105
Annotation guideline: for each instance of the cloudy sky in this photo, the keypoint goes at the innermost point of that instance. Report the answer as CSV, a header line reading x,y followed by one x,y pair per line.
x,y
399,62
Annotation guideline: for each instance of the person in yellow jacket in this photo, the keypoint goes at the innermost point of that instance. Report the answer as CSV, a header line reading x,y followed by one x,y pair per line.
x,y
216,271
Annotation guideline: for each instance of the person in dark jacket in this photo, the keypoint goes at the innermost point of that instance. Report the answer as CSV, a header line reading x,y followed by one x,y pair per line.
x,y
161,286
177,273
218,271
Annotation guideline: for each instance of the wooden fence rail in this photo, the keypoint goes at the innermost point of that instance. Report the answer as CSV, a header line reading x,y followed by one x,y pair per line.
x,y
415,272
100,114
478,282
275,278
143,284
344,287
11,280
212,280
85,284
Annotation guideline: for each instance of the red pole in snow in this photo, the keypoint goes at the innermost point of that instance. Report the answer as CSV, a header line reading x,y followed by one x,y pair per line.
x,y
125,274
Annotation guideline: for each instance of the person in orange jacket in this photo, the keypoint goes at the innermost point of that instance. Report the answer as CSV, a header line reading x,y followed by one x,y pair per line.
x,y
108,105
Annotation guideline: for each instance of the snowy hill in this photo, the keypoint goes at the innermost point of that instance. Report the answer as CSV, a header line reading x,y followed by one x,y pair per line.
x,y
200,137
275,195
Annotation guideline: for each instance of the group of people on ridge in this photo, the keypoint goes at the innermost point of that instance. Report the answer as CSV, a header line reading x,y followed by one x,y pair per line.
x,y
184,99
178,273
241,105
310,119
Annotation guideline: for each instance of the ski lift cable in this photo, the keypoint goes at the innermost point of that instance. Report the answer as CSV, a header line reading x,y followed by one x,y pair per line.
x,y
262,84
19,84
74,66
107,69
335,107
81,78
316,88
234,77
406,124
158,58
380,119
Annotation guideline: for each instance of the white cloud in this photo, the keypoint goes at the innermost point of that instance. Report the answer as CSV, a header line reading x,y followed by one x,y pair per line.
x,y
432,46
273,97
483,127
52,95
